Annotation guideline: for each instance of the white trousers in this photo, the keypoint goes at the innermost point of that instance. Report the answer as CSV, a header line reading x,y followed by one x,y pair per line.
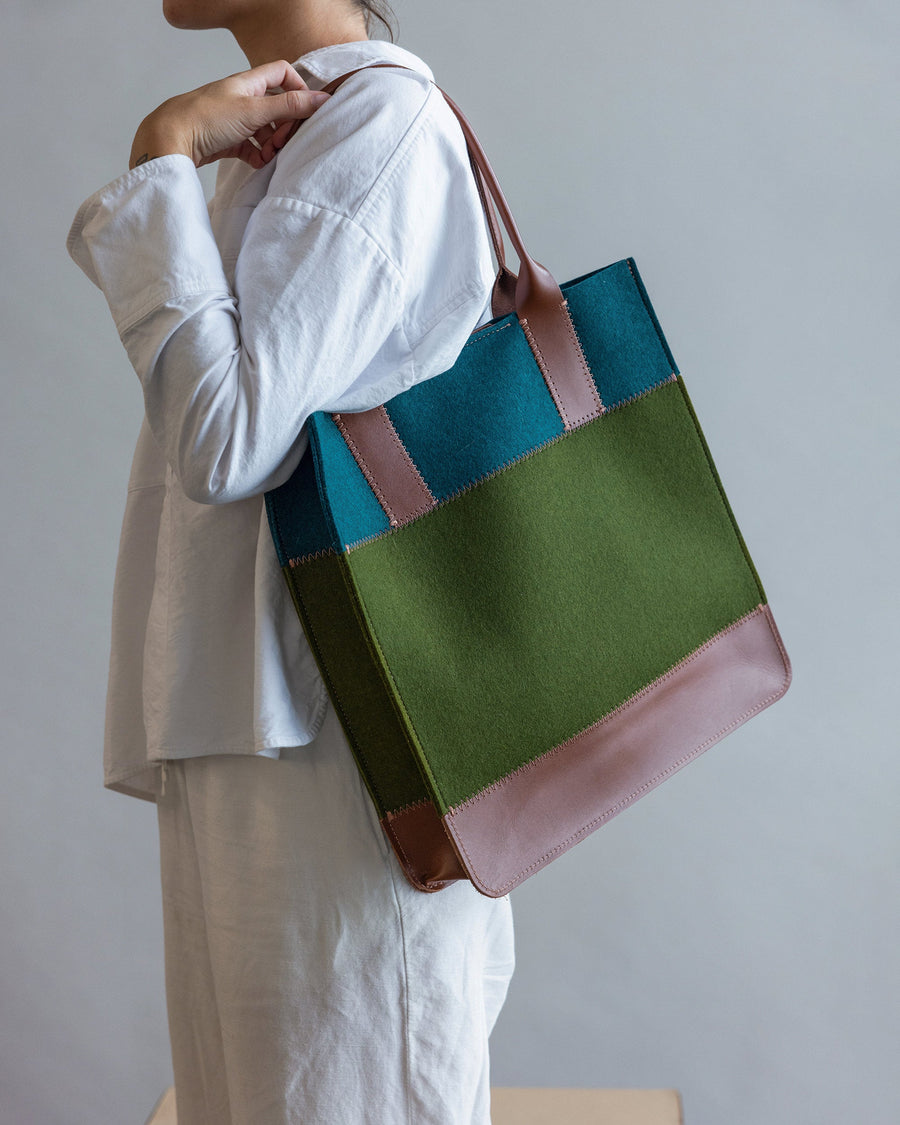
x,y
307,983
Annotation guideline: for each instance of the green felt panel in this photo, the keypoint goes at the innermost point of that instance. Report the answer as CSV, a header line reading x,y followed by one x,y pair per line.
x,y
323,594
601,561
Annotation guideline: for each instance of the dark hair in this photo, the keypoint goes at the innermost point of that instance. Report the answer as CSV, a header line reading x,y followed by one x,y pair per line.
x,y
379,10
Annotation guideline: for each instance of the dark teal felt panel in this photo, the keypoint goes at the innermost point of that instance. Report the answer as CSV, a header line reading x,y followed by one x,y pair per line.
x,y
297,520
618,332
632,265
492,407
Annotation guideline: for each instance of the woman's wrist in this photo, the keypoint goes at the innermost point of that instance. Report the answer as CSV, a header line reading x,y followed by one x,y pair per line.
x,y
157,136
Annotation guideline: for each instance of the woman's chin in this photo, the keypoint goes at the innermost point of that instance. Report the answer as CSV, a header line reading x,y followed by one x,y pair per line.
x,y
193,15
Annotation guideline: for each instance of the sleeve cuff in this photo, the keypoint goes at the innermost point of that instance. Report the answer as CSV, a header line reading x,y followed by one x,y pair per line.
x,y
145,239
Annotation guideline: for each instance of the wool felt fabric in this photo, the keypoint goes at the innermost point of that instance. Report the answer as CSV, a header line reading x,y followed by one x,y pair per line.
x,y
601,557
492,408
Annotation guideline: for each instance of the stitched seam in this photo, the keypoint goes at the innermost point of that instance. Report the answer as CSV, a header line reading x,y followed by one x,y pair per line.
x,y
291,203
591,382
312,637
388,425
545,371
483,333
423,762
620,709
645,301
569,422
714,473
395,437
411,807
320,554
469,293
401,152
513,461
164,296
652,782
588,828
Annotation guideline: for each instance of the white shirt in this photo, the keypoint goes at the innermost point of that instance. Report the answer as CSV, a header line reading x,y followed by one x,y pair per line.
x,y
353,266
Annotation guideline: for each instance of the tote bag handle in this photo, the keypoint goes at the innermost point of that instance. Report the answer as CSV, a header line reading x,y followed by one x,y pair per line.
x,y
543,315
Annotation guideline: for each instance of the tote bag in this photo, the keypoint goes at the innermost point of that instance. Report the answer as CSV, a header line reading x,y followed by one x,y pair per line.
x,y
522,581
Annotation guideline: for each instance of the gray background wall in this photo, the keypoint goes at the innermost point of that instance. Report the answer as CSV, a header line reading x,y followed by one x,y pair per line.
x,y
734,934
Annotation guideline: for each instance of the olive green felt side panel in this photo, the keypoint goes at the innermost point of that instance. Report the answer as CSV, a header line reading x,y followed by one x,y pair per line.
x,y
324,598
601,561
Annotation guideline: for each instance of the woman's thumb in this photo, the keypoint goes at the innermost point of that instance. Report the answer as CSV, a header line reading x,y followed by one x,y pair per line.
x,y
291,105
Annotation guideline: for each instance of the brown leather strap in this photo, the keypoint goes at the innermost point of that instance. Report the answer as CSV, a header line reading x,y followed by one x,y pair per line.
x,y
386,464
544,316
503,296
542,310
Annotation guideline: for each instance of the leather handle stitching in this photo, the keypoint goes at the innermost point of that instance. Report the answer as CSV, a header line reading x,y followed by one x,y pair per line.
x,y
591,382
404,453
429,502
364,469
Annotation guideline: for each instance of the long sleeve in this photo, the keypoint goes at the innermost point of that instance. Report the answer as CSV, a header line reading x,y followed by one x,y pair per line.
x,y
229,377
321,285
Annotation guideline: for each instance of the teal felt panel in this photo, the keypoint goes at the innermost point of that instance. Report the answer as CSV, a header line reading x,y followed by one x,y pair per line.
x,y
355,511
492,407
303,520
619,334
638,280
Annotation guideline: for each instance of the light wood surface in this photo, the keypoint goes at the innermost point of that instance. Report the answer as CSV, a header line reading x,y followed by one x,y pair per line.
x,y
523,1106
543,1107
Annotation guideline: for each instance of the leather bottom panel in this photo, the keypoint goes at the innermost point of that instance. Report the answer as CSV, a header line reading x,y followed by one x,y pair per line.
x,y
422,846
513,828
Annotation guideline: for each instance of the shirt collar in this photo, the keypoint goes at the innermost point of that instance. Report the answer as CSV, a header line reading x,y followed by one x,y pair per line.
x,y
318,68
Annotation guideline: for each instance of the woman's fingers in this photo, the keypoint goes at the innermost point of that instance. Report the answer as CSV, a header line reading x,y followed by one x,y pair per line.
x,y
266,103
272,140
269,76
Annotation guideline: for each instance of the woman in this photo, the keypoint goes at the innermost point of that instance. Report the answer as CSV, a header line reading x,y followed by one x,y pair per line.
x,y
343,258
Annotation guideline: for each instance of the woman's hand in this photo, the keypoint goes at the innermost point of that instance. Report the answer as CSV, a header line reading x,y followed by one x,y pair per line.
x,y
240,116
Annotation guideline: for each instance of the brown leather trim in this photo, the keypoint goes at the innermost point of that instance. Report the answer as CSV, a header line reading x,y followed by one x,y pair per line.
x,y
423,847
541,309
539,301
386,464
557,350
490,214
517,826
503,295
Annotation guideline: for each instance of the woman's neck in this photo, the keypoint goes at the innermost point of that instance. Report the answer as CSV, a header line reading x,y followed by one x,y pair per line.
x,y
290,30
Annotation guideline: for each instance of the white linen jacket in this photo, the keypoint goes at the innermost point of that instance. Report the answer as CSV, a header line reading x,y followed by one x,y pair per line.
x,y
353,266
